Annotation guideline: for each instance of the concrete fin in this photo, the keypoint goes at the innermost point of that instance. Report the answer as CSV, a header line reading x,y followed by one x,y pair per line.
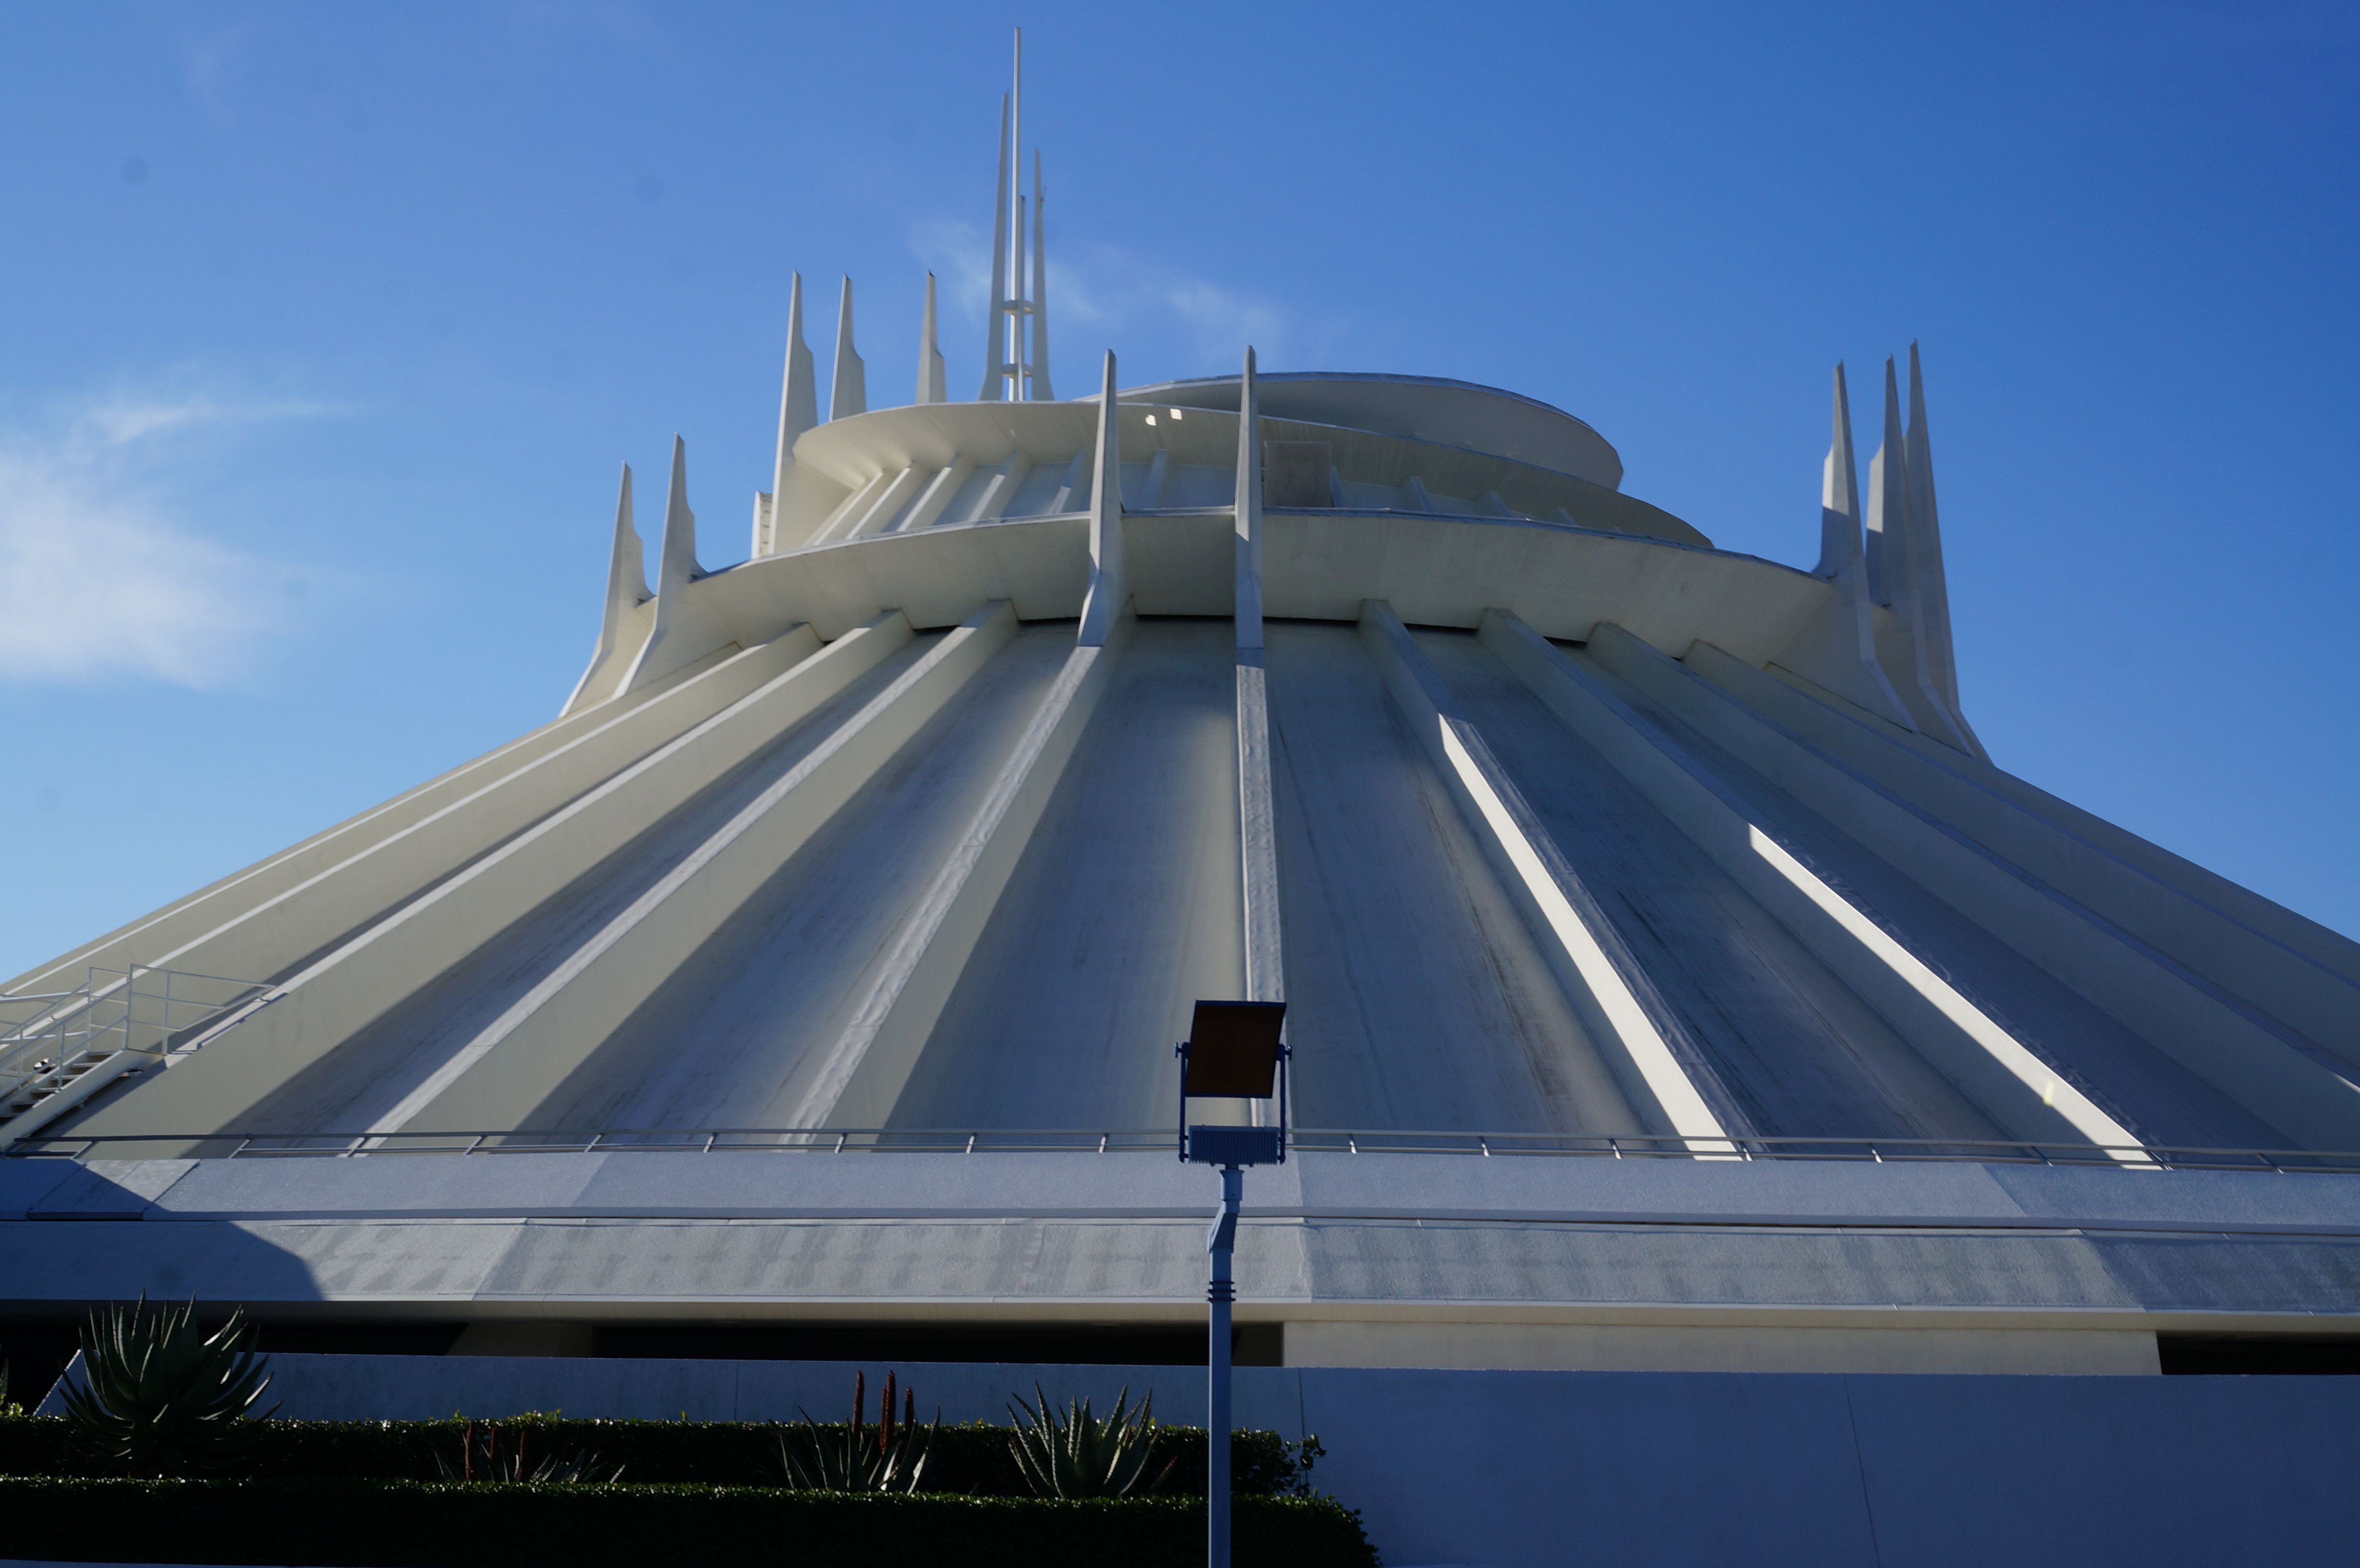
x,y
849,394
1926,553
1040,391
864,1070
1888,506
1109,582
1896,581
798,411
1837,646
2014,1085
624,626
1249,509
1640,1040
933,386
510,1066
685,630
995,318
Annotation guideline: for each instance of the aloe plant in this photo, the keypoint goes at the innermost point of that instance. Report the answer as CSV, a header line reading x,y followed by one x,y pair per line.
x,y
888,1457
160,1395
1082,1455
482,1459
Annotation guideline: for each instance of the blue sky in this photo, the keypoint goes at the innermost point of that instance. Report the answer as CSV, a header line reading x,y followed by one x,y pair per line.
x,y
323,329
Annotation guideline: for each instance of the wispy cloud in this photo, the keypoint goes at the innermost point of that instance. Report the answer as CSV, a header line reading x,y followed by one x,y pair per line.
x,y
207,69
100,577
1119,293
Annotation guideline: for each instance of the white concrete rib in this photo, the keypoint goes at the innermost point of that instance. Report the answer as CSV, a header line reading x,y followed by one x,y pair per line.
x,y
2254,1059
2303,975
333,997
1265,962
2012,1084
863,1070
171,930
1674,1089
286,909
497,1077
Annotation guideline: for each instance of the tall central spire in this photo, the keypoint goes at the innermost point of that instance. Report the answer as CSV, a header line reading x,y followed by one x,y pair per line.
x,y
1014,369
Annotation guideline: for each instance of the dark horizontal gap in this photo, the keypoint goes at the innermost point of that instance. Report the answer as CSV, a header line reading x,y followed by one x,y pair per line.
x,y
2247,1354
1252,1345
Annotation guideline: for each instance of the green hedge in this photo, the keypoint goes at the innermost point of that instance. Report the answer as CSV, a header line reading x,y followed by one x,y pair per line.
x,y
363,1524
973,1458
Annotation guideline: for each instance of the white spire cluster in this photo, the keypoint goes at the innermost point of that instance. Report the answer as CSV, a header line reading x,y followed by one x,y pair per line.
x,y
1014,370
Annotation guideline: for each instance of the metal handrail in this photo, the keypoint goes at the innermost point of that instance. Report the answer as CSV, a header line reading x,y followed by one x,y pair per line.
x,y
64,1046
1123,1140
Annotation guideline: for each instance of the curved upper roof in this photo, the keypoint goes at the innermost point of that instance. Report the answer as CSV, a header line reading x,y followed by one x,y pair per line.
x,y
1424,407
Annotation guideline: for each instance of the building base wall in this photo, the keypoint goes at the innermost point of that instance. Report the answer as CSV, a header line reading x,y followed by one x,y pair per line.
x,y
1521,1469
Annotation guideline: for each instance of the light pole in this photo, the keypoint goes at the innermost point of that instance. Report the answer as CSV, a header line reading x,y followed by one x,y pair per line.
x,y
1233,1051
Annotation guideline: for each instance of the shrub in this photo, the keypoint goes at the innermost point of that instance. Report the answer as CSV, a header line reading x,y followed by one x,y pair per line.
x,y
968,1458
430,1524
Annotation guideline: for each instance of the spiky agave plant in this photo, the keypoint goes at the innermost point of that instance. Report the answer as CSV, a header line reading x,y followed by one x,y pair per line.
x,y
1079,1454
888,1457
161,1396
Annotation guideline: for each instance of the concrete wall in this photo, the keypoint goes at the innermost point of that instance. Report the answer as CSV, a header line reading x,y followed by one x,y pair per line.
x,y
1537,1469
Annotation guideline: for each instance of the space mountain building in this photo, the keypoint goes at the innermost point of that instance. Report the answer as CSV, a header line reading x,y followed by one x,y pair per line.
x,y
1674,983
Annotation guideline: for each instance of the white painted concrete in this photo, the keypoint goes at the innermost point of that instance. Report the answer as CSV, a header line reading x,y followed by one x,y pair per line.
x,y
1678,1091
2278,1074
499,1077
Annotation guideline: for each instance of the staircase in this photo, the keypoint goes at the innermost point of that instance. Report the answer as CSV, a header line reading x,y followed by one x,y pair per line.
x,y
59,1048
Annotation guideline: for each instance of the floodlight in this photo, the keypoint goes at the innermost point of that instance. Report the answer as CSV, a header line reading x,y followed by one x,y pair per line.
x,y
1234,1052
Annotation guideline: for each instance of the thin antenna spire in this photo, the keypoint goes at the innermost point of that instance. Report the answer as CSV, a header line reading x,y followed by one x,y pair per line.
x,y
1040,286
849,395
932,382
994,326
1011,369
1014,327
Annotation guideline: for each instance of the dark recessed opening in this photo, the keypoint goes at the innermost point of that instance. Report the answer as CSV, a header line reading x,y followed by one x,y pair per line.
x,y
35,1354
2245,1354
356,1338
1253,1344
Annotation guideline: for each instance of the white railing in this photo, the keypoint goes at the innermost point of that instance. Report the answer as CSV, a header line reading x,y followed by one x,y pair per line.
x,y
58,1048
1160,1140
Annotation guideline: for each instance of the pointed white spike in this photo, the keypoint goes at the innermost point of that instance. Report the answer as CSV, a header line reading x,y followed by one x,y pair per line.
x,y
849,395
623,624
1839,492
933,386
799,396
1894,580
678,558
1248,508
1888,506
1110,583
684,630
1040,287
1837,647
798,411
995,312
1925,555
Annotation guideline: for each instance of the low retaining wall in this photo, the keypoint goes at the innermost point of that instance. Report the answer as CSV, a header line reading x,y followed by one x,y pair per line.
x,y
1540,1469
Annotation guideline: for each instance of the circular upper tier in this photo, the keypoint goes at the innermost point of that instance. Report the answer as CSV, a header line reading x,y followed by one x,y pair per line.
x,y
1423,407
